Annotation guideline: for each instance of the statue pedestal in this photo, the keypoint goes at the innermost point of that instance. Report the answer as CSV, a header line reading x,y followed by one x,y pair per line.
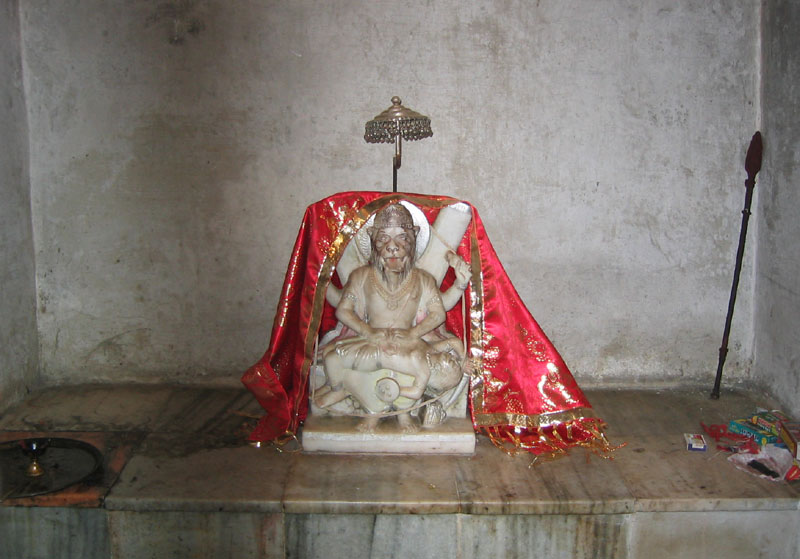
x,y
339,434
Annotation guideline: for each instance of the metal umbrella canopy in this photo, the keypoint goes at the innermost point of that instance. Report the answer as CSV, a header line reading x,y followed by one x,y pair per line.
x,y
395,124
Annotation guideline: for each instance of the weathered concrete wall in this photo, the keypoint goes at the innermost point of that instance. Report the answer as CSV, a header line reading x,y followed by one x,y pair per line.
x,y
176,144
18,340
777,320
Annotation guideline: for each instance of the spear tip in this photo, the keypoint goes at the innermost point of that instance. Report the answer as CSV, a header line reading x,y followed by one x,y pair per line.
x,y
752,162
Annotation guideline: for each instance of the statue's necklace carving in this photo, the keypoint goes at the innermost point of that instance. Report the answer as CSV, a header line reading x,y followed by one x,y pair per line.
x,y
393,298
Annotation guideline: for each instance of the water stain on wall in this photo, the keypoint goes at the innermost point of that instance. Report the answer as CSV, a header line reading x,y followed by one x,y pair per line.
x,y
179,18
119,349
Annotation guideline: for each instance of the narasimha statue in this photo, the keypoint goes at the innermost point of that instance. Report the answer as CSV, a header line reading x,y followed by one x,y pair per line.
x,y
369,325
393,315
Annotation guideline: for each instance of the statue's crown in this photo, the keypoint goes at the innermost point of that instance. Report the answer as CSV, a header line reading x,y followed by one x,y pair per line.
x,y
394,215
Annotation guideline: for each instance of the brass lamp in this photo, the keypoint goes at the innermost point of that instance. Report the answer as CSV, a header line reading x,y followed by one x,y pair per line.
x,y
395,124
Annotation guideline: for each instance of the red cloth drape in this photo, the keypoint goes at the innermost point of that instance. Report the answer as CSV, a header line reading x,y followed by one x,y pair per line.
x,y
521,392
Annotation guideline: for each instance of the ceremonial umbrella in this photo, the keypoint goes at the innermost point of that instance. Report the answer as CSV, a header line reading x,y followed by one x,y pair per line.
x,y
395,124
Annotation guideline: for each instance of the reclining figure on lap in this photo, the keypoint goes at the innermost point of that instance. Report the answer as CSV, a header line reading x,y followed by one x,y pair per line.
x,y
393,318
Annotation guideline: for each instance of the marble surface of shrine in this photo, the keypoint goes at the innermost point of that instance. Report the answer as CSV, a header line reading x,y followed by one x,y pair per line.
x,y
180,480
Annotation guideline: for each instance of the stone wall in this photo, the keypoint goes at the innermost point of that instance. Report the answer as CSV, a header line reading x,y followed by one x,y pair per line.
x,y
175,146
78,533
777,317
18,341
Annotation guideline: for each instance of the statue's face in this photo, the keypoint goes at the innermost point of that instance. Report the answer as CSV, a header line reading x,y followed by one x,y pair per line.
x,y
393,248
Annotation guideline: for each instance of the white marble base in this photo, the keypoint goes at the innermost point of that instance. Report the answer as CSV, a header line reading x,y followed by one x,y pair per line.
x,y
339,435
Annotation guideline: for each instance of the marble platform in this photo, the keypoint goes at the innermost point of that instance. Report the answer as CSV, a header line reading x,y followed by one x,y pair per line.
x,y
340,435
182,482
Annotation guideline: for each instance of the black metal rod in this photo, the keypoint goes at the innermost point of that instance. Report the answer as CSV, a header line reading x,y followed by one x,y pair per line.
x,y
397,159
723,350
753,166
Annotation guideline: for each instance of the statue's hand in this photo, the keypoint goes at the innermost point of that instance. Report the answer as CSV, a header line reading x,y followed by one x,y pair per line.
x,y
379,337
461,268
383,339
401,336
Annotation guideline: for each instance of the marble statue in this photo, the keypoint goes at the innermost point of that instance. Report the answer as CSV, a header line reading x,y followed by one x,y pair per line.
x,y
391,352
370,354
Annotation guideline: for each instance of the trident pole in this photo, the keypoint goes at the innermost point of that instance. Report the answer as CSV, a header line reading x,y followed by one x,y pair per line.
x,y
752,165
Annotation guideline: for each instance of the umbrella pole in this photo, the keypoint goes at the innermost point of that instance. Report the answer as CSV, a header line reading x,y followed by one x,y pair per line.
x,y
396,160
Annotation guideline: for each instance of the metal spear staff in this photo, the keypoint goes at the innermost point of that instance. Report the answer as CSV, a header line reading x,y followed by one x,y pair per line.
x,y
752,164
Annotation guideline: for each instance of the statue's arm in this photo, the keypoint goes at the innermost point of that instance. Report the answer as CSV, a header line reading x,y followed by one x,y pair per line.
x,y
346,311
462,270
433,308
333,295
